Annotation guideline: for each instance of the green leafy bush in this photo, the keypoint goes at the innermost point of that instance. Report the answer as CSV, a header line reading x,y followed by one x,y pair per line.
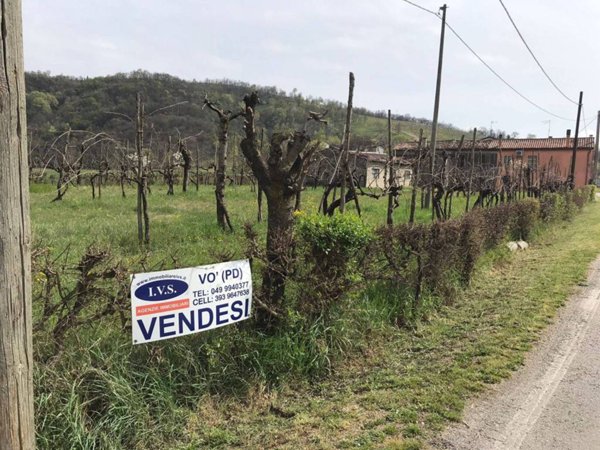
x,y
329,249
525,214
582,195
592,192
552,207
495,224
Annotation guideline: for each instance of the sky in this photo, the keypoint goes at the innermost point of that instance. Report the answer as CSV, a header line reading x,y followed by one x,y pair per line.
x,y
311,45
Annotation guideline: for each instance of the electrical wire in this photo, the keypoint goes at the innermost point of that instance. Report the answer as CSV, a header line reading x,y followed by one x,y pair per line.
x,y
586,124
533,55
421,7
531,102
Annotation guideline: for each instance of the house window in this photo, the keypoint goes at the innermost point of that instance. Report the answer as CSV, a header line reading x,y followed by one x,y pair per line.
x,y
376,171
508,161
532,162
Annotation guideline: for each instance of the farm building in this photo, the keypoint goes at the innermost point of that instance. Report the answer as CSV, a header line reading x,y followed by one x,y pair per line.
x,y
372,169
369,167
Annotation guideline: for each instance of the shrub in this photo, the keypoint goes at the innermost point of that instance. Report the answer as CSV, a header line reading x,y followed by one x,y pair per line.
x,y
327,263
525,214
495,224
569,208
552,207
592,192
443,256
472,242
581,197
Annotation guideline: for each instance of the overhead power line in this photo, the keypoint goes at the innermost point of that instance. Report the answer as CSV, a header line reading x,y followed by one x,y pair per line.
x,y
533,55
531,102
421,7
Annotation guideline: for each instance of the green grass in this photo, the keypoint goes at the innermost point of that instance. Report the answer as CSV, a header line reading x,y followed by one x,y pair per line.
x,y
183,226
418,380
353,381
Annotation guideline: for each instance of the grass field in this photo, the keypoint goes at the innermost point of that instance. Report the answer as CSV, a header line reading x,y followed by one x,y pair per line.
x,y
356,381
182,226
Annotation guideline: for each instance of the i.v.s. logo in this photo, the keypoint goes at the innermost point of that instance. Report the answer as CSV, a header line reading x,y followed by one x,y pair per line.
x,y
161,290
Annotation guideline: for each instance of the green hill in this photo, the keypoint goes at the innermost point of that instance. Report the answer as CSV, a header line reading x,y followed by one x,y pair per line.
x,y
56,103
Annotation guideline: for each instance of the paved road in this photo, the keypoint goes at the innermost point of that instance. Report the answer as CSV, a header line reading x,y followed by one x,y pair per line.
x,y
553,402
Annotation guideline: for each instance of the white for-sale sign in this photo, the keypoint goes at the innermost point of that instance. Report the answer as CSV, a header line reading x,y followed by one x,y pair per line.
x,y
178,302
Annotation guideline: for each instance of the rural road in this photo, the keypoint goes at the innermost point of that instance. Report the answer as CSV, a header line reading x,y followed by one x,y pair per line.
x,y
553,401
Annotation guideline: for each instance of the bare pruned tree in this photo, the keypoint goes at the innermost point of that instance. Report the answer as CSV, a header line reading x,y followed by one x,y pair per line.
x,y
279,176
142,164
225,118
169,165
65,157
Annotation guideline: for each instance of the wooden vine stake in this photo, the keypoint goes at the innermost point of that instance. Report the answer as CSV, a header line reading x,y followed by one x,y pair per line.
x,y
346,144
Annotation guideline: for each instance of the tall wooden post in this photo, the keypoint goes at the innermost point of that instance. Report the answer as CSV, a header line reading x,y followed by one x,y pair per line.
x,y
391,177
346,148
595,159
576,142
413,196
16,360
436,106
197,167
139,138
471,168
259,191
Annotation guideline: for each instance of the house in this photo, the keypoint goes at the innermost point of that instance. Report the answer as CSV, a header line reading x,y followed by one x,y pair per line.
x,y
368,165
372,169
546,159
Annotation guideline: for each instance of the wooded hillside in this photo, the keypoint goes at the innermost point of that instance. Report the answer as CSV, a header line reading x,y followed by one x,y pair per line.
x,y
55,103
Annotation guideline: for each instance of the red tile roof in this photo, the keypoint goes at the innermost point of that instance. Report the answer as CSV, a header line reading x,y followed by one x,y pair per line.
x,y
508,144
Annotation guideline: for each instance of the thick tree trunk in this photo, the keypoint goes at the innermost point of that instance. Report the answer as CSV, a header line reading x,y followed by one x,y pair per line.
x,y
279,247
16,361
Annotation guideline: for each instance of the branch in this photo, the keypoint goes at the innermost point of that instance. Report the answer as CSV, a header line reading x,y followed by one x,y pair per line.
x,y
212,106
249,144
119,114
166,107
295,147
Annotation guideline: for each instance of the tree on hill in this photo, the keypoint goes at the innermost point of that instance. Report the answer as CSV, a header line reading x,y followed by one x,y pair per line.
x,y
82,103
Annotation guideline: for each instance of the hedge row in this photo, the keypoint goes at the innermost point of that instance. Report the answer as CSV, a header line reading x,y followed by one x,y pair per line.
x,y
337,254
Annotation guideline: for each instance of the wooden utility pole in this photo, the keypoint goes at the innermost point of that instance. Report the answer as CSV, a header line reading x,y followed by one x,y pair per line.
x,y
436,106
16,353
595,168
391,178
576,142
346,144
